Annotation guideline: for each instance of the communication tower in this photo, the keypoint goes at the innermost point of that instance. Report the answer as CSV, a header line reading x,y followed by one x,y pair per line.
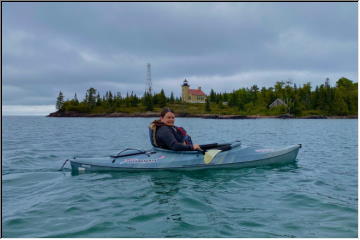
x,y
148,79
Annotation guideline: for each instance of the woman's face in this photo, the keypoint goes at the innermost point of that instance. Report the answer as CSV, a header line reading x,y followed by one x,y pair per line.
x,y
168,119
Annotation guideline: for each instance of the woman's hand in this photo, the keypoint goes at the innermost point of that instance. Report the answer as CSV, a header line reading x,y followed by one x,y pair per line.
x,y
197,147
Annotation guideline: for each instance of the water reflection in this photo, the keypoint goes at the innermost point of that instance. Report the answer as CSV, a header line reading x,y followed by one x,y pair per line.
x,y
165,185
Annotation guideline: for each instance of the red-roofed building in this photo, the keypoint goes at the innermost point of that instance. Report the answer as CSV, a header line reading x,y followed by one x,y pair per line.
x,y
192,95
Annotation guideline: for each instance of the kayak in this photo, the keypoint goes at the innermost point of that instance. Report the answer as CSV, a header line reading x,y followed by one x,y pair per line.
x,y
227,155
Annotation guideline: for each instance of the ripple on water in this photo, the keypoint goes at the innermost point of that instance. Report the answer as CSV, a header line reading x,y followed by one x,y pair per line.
x,y
314,197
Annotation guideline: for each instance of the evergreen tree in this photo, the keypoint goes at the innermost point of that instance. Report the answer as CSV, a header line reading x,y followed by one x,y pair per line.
x,y
91,97
60,101
254,91
127,100
212,96
162,99
133,100
279,89
98,100
345,83
172,99
340,106
233,99
297,107
110,97
207,105
76,99
224,97
148,102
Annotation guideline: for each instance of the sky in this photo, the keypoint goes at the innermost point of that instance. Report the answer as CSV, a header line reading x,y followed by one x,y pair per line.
x,y
71,46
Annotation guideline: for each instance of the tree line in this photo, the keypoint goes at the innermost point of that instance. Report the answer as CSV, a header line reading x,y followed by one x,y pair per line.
x,y
340,100
110,102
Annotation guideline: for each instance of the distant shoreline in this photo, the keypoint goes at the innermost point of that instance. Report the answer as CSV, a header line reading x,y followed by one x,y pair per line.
x,y
205,116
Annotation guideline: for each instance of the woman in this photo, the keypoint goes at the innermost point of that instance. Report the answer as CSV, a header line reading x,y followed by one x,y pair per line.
x,y
164,134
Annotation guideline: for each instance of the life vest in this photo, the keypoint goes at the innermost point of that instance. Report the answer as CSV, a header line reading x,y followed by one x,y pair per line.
x,y
157,123
186,138
152,131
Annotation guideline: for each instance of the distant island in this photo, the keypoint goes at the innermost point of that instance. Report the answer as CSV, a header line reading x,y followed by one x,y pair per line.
x,y
284,100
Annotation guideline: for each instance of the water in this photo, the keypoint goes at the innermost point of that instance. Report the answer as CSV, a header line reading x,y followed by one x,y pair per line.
x,y
316,197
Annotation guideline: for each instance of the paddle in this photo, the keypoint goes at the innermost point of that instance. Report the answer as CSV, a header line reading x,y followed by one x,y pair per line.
x,y
210,154
208,146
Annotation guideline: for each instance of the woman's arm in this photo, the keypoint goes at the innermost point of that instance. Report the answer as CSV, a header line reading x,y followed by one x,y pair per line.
x,y
166,137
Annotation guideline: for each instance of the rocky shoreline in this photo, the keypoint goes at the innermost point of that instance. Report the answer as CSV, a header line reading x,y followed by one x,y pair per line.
x,y
206,116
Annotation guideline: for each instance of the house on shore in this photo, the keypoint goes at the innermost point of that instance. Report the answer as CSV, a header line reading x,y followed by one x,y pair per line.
x,y
192,95
278,102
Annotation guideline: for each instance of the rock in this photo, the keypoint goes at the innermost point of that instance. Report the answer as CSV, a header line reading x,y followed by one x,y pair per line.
x,y
315,117
285,116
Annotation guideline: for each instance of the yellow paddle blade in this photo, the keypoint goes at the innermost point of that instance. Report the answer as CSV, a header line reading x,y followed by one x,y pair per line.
x,y
210,154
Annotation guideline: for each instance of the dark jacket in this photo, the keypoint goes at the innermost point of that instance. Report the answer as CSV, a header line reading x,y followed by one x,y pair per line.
x,y
170,138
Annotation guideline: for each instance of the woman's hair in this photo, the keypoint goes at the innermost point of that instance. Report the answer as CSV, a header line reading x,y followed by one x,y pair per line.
x,y
165,111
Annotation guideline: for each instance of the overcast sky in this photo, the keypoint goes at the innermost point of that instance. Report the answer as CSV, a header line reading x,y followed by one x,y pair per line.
x,y
48,47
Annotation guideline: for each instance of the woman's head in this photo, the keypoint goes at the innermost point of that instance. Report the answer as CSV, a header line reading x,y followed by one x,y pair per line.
x,y
167,116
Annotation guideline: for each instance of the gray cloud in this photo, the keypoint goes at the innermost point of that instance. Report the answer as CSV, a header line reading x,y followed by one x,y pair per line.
x,y
48,47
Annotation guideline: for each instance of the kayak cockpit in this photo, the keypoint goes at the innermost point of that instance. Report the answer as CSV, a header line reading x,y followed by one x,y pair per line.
x,y
134,151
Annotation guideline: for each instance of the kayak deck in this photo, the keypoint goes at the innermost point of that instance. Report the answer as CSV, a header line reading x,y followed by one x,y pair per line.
x,y
162,159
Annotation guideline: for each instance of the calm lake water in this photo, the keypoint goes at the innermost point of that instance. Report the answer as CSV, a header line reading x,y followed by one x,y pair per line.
x,y
315,197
